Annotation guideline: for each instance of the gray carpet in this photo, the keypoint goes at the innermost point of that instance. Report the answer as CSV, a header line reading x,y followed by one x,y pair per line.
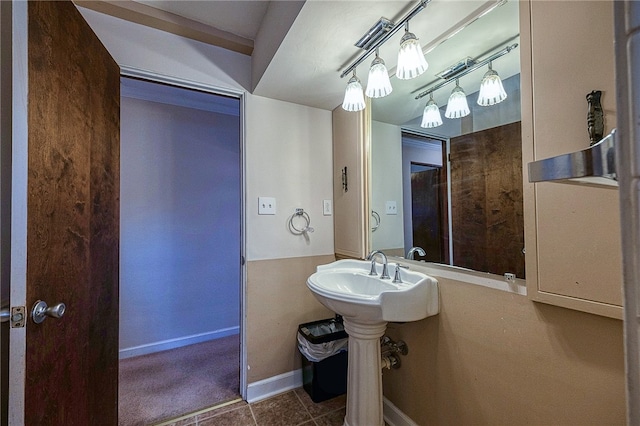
x,y
168,384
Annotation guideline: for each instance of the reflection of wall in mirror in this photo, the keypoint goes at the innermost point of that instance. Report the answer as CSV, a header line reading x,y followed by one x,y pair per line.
x,y
386,185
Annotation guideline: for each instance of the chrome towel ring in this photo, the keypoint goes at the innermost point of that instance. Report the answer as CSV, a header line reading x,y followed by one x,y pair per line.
x,y
304,223
376,219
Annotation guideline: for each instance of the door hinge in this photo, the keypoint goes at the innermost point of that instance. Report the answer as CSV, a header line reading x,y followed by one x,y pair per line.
x,y
16,316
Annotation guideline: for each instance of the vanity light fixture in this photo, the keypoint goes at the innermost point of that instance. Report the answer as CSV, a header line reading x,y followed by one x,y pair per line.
x,y
378,84
491,89
376,37
463,68
457,107
411,61
353,96
431,117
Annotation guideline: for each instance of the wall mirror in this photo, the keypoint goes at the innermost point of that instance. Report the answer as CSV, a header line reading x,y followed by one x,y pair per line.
x,y
454,190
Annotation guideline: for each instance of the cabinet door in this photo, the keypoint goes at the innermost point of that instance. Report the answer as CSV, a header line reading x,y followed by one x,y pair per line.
x,y
572,232
350,158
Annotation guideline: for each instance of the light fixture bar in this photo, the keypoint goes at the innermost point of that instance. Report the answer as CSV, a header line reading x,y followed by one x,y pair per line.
x,y
374,34
400,24
468,70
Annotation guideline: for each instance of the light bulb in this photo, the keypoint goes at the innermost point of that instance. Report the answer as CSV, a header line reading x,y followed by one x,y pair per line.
x,y
431,117
491,89
457,107
411,61
353,96
378,84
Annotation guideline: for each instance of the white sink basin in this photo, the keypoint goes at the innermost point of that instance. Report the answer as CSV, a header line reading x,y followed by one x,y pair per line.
x,y
346,288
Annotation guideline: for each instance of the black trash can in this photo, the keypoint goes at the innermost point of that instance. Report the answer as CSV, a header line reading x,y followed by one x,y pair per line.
x,y
323,347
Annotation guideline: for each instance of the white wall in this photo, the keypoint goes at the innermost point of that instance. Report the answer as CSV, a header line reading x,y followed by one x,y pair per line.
x,y
386,185
136,46
288,157
179,223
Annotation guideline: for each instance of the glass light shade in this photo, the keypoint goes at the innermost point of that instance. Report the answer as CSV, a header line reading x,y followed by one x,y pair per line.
x,y
353,96
491,89
378,84
431,117
411,61
457,107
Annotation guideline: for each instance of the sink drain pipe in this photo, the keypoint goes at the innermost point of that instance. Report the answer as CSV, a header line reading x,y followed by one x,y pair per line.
x,y
390,352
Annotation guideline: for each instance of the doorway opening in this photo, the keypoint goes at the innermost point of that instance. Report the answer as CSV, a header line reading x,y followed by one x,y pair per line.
x,y
428,212
180,251
426,196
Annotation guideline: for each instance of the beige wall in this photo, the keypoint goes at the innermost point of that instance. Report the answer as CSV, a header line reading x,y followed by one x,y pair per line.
x,y
496,358
572,233
288,157
277,301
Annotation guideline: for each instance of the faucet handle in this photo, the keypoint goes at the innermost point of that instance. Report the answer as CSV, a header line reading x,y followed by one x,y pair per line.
x,y
385,272
396,278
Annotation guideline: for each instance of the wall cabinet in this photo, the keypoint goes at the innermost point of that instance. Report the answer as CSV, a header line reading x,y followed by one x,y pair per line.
x,y
351,132
572,232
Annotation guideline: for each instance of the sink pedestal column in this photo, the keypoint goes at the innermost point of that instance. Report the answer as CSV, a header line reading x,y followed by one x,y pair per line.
x,y
364,380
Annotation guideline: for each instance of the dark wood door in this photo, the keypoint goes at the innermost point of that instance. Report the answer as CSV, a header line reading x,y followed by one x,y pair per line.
x,y
72,220
426,214
486,200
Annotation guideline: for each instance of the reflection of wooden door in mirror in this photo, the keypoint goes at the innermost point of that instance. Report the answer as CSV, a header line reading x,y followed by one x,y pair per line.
x,y
486,200
428,212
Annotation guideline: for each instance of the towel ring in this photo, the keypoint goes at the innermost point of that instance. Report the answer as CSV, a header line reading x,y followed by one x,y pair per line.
x,y
307,222
376,218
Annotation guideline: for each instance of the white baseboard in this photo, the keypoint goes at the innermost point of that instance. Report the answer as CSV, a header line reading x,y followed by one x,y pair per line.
x,y
393,416
177,343
275,385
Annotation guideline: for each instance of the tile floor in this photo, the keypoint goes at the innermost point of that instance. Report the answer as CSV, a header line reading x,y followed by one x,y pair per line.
x,y
288,409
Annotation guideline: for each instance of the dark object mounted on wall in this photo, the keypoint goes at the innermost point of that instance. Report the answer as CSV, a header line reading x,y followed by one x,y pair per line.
x,y
345,183
595,165
595,117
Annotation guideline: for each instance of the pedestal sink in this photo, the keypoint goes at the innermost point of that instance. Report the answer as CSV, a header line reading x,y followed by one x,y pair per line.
x,y
367,303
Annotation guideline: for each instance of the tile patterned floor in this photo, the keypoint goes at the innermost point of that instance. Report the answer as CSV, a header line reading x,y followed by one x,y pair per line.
x,y
288,409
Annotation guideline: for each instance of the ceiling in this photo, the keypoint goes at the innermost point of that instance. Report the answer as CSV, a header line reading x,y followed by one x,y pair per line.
x,y
313,48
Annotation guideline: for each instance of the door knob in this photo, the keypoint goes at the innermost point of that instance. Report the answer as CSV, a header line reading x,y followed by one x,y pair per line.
x,y
41,311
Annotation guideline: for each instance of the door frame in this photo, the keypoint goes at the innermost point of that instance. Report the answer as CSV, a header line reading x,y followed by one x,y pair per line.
x,y
18,200
128,71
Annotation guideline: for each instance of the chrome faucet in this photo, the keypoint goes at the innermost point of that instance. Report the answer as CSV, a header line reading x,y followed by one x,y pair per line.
x,y
413,250
372,258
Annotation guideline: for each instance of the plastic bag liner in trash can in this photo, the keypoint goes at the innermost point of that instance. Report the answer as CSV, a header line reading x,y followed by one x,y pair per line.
x,y
323,348
321,339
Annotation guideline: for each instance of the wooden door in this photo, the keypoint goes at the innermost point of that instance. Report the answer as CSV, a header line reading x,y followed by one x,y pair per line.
x,y
72,220
486,200
426,214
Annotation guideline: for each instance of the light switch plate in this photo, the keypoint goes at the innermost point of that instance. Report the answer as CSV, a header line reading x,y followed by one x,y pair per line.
x,y
391,207
266,205
327,208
